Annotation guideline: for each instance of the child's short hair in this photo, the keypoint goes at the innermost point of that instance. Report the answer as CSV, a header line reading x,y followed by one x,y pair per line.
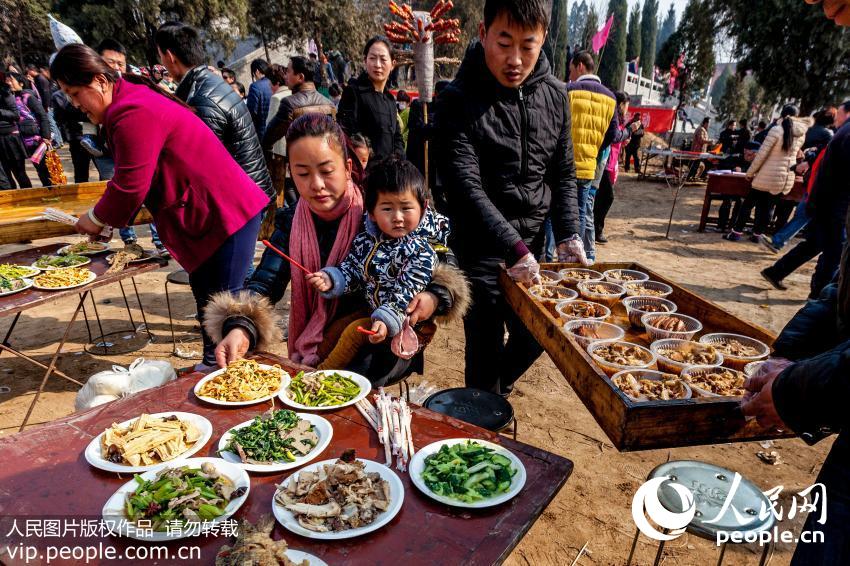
x,y
358,140
394,176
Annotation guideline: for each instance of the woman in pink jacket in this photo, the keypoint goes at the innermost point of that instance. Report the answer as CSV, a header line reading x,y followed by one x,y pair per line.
x,y
207,209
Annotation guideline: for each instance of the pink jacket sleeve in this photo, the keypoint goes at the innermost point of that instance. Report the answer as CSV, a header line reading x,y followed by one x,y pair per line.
x,y
136,139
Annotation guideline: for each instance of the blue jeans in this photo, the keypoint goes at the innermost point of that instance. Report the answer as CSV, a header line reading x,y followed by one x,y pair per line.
x,y
790,230
549,242
128,234
105,167
586,198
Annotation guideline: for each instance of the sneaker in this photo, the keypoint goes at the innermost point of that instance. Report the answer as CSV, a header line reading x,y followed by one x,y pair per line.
x,y
162,252
733,236
600,239
755,238
130,241
768,243
89,143
776,283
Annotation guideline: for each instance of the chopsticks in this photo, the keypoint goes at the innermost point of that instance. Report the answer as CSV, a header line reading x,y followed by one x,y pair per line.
x,y
286,257
366,331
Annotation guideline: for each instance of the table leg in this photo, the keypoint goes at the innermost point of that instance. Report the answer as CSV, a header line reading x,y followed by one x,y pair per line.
x,y
634,546
99,326
766,553
142,310
53,360
672,210
127,304
706,207
658,554
11,328
33,361
722,553
86,318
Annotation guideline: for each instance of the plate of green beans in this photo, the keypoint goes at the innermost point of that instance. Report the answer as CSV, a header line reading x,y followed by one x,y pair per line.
x,y
325,390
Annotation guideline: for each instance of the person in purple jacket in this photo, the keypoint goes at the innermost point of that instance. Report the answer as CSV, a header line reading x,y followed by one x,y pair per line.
x,y
208,217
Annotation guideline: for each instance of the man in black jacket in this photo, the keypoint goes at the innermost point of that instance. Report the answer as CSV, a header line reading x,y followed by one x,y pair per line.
x,y
507,159
181,51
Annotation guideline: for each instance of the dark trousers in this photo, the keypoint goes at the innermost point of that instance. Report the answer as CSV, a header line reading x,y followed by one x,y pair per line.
x,y
5,184
225,270
16,170
826,237
764,203
493,363
632,153
81,160
43,173
782,213
729,210
604,200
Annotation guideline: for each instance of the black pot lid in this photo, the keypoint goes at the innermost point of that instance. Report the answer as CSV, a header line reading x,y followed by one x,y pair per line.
x,y
480,408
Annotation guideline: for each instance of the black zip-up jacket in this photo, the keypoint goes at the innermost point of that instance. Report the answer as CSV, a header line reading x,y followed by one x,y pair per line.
x,y
224,112
373,114
506,159
69,118
9,115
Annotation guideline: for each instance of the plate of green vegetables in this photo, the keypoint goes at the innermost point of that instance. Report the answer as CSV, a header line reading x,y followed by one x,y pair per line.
x,y
275,441
11,271
325,390
11,286
51,262
467,472
187,493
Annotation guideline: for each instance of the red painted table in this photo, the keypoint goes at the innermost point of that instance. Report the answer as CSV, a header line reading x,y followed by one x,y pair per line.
x,y
735,185
44,474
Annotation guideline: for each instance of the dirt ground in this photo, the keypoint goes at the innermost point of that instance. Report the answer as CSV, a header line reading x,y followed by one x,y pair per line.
x,y
594,506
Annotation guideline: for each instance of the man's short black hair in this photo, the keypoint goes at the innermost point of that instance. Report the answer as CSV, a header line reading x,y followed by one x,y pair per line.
x,y
110,44
227,72
259,65
730,123
762,124
301,66
583,58
32,67
706,120
525,13
394,176
183,41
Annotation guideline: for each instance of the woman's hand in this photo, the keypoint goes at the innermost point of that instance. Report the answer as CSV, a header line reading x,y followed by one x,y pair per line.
x,y
320,281
380,330
85,226
422,307
234,347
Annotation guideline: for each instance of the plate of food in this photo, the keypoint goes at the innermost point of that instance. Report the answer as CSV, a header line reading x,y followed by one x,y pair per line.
x,y
325,390
62,279
83,248
12,286
148,442
184,493
11,271
467,472
275,441
51,262
255,545
243,382
338,499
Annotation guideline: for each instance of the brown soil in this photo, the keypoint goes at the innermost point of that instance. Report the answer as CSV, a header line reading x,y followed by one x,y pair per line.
x,y
594,506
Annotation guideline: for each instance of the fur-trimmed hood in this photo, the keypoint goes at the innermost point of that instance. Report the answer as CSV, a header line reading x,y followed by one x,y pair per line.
x,y
458,285
257,308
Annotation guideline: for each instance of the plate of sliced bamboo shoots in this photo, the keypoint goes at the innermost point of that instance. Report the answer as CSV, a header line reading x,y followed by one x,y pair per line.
x,y
390,417
148,442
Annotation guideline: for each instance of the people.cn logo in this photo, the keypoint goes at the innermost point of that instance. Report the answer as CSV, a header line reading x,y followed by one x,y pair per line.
x,y
646,507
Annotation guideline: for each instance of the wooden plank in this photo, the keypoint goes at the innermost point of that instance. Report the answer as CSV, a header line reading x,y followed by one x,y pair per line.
x,y
649,425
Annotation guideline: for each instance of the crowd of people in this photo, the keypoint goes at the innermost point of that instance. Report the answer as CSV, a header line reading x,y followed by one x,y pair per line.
x,y
520,167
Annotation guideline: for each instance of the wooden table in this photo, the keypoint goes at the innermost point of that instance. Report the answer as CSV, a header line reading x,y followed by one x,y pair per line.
x,y
38,461
14,305
722,185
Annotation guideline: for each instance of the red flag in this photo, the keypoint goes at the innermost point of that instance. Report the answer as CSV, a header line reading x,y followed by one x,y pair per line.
x,y
601,37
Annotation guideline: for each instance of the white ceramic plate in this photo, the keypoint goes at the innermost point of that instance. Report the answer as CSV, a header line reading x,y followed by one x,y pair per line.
x,y
364,383
92,277
284,381
298,556
34,266
143,259
113,510
286,518
32,271
99,248
27,284
94,457
417,466
321,426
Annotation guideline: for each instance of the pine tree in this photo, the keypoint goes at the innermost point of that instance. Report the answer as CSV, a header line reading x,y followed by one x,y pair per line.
x,y
733,103
666,30
694,38
612,64
558,38
648,36
578,20
591,26
24,32
719,87
633,42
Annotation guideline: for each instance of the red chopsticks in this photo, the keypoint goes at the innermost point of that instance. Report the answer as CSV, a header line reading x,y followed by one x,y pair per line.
x,y
286,257
365,331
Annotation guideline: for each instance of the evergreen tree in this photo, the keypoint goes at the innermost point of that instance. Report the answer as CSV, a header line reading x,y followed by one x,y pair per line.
x,y
667,28
578,20
693,39
648,36
612,64
733,103
24,31
719,87
558,39
633,42
591,26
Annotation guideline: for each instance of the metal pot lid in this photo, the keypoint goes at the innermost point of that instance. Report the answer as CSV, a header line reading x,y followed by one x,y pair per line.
x,y
711,486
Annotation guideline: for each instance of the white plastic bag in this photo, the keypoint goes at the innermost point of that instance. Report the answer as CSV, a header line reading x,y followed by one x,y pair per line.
x,y
106,386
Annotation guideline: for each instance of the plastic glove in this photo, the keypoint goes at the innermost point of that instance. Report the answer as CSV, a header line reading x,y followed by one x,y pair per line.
x,y
526,270
572,251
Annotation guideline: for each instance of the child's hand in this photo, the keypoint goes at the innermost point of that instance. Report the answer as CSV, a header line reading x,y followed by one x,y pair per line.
x,y
380,330
320,281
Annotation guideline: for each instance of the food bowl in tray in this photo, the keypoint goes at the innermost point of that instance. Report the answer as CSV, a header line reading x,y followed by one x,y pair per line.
x,y
751,368
631,383
551,295
601,292
550,277
714,381
585,331
623,276
574,275
647,289
636,307
737,350
613,356
662,325
574,310
675,355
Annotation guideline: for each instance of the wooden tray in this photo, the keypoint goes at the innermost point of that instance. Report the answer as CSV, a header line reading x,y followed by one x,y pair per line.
x,y
647,425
